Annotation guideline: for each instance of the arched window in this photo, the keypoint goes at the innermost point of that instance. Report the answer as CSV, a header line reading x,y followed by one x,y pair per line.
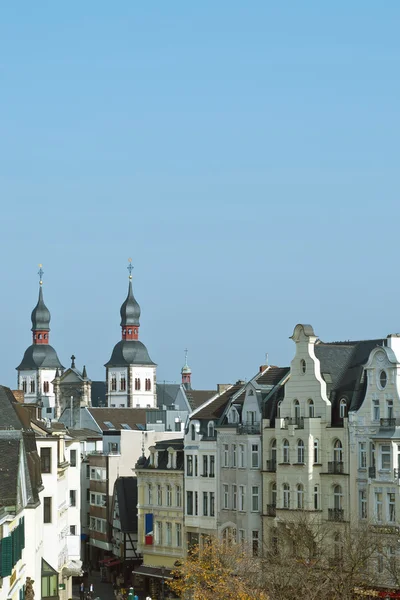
x,y
300,452
193,432
303,366
285,451
24,385
210,429
296,405
46,387
122,383
316,452
278,409
113,383
137,383
337,497
343,408
273,494
40,336
338,452
311,408
32,386
273,452
300,496
286,495
316,497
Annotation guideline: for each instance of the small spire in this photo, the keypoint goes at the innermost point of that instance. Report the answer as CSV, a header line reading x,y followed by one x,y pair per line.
x,y
73,362
130,268
40,273
84,374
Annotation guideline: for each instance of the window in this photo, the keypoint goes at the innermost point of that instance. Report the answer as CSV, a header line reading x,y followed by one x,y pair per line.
x,y
47,509
337,497
189,503
88,496
178,495
385,457
24,385
273,453
316,497
159,495
49,581
362,455
378,506
234,455
93,499
311,409
338,451
137,383
212,465
196,503
316,452
122,383
300,452
210,429
72,530
296,405
225,495
168,534
285,451
178,532
72,497
255,498
255,542
343,408
234,496
382,379
113,448
300,496
242,536
242,457
241,498
225,458
389,409
205,504
273,494
391,507
169,495
303,366
375,409
212,504
147,385
286,495
193,432
278,409
372,454
149,494
113,383
159,532
45,460
32,386
196,466
362,499
255,462
189,465
46,387
72,458
205,465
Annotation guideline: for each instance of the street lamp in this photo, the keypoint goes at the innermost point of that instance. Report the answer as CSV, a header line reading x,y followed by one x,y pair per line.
x,y
162,584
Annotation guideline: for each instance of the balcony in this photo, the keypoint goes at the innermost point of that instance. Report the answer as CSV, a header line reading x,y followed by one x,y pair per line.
x,y
336,514
271,510
336,467
389,423
389,475
295,421
248,428
271,466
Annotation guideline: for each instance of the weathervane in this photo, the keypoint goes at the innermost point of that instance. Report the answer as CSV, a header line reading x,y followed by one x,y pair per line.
x,y
40,273
186,353
130,268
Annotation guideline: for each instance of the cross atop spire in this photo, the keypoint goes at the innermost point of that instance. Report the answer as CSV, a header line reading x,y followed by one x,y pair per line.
x,y
73,362
130,268
40,273
186,353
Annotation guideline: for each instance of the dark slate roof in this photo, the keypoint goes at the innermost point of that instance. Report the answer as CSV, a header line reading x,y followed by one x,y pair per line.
x,y
9,463
129,352
9,417
131,416
162,449
40,315
216,407
126,490
272,375
130,310
98,393
197,397
40,355
84,434
167,393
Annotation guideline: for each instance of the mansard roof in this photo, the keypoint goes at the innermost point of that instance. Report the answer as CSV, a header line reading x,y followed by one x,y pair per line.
x,y
214,409
135,418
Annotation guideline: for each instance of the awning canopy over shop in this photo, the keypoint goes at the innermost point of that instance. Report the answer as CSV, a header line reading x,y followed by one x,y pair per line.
x,y
153,572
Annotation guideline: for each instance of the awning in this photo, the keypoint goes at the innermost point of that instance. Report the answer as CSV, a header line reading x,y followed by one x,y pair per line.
x,y
153,572
112,563
74,568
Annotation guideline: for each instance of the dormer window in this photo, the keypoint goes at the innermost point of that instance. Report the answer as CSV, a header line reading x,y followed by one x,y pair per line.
x,y
382,379
251,393
210,429
193,432
303,366
343,408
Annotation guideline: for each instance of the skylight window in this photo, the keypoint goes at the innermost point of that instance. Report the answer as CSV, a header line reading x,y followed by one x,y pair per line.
x,y
125,426
140,426
109,424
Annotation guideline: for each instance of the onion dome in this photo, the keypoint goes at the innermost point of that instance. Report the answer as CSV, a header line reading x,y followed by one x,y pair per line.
x,y
40,315
130,310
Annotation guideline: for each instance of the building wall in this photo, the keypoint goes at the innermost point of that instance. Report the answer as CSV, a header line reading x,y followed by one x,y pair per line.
x,y
131,397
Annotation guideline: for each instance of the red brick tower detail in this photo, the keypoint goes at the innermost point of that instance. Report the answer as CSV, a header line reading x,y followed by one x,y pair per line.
x,y
130,313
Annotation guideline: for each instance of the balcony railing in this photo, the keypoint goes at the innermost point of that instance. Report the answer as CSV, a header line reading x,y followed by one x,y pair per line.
x,y
335,514
271,466
335,467
271,510
249,428
296,421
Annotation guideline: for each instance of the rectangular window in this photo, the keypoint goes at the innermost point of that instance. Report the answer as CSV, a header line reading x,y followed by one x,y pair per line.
x,y
178,495
169,495
212,465
72,530
391,507
362,455
196,462
241,497
72,497
225,495
196,503
242,457
88,496
378,506
189,465
205,504
212,504
205,465
389,409
159,533
316,497
159,495
234,455
87,471
92,523
47,509
234,497
45,460
375,410
363,504
254,456
93,498
72,458
189,503
242,536
149,494
255,498
225,458
178,530
168,534
385,457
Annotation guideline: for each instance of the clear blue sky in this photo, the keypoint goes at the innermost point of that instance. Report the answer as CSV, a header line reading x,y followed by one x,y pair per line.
x,y
245,154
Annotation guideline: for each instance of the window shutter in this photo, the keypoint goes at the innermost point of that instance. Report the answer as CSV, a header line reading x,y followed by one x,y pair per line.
x,y
6,556
22,525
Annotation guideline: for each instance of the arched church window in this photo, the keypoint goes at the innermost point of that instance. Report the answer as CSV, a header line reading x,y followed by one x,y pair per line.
x,y
123,383
113,383
24,387
32,386
46,387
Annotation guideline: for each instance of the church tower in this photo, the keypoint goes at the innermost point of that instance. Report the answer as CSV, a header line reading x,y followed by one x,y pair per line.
x,y
38,367
130,372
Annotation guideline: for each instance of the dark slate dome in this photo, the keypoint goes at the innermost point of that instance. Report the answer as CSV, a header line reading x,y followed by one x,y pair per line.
x,y
130,310
40,315
40,355
129,352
